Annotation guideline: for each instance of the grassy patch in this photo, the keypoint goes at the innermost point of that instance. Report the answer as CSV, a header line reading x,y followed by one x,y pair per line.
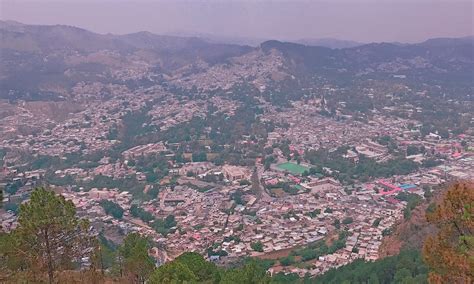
x,y
292,168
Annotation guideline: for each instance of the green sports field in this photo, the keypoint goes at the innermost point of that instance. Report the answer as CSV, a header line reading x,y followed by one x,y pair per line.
x,y
292,168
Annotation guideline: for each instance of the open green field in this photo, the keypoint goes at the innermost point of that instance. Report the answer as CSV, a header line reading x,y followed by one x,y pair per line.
x,y
292,168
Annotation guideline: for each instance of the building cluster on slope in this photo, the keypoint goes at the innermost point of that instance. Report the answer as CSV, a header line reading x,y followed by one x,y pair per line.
x,y
229,214
241,69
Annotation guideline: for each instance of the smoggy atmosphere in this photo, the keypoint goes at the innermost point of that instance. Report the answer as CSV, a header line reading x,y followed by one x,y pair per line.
x,y
357,20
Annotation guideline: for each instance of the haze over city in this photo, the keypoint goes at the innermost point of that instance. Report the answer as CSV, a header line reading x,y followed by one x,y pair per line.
x,y
357,20
244,142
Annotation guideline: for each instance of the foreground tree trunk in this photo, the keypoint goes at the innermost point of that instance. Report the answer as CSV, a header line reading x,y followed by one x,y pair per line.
x,y
49,236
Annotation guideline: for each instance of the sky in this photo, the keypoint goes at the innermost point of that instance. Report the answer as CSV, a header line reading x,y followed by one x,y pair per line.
x,y
358,20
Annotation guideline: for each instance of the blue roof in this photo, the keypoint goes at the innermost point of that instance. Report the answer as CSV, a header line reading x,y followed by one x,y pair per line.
x,y
407,186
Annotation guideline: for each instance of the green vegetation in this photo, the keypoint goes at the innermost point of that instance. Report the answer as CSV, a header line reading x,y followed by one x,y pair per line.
x,y
293,168
164,226
111,208
13,207
12,188
28,254
406,267
431,162
191,267
3,152
328,210
315,171
339,243
135,126
448,243
138,212
376,222
347,220
286,278
188,267
286,187
314,213
412,200
346,171
199,157
154,166
237,197
315,250
257,246
312,251
449,252
133,258
286,261
46,222
105,254
387,232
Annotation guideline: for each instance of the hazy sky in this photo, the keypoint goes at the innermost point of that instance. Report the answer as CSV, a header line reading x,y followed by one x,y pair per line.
x,y
360,20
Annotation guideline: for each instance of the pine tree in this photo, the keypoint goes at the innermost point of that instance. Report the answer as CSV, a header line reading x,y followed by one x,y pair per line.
x,y
49,236
450,253
134,258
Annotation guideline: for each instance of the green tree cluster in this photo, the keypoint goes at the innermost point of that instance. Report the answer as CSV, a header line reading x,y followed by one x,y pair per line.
x,y
133,258
139,212
49,238
412,200
191,267
406,267
257,246
347,220
111,208
164,226
347,171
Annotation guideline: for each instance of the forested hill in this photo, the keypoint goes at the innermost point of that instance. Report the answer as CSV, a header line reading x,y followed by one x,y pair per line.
x,y
436,240
427,61
48,61
401,250
410,232
406,267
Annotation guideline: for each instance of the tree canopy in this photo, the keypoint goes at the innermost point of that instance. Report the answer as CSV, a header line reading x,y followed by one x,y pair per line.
x,y
134,259
49,237
191,267
406,267
450,253
112,208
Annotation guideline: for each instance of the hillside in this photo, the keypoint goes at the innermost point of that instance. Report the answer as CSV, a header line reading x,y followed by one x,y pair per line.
x,y
411,233
406,267
435,60
45,59
409,253
46,62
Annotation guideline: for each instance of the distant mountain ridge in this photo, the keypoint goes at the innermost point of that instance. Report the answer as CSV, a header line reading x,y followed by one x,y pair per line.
x,y
69,37
329,42
57,56
438,59
333,43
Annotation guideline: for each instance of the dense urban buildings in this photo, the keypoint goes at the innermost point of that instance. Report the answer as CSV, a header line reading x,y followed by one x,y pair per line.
x,y
251,153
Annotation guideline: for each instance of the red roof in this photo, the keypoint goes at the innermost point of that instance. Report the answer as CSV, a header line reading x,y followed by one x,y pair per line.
x,y
457,155
393,188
